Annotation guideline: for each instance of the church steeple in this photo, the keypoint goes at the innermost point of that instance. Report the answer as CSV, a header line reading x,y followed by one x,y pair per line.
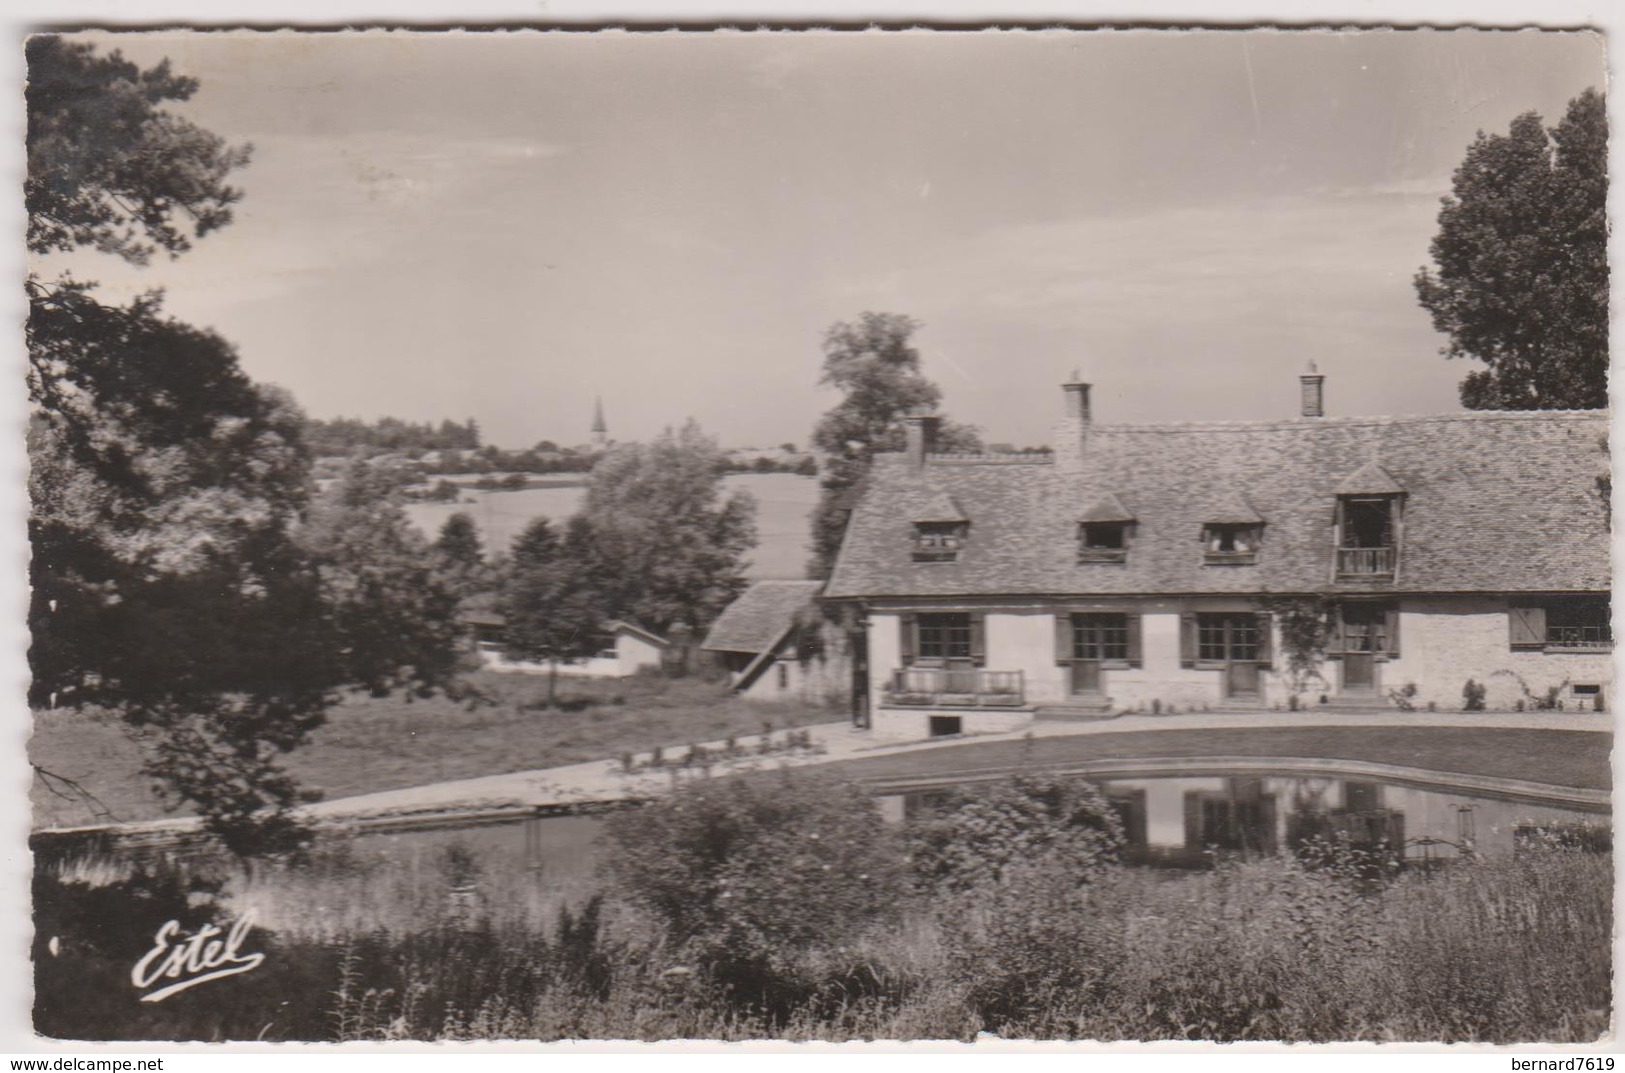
x,y
600,431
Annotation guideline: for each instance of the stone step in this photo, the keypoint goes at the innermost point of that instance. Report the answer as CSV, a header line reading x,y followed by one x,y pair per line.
x,y
1074,713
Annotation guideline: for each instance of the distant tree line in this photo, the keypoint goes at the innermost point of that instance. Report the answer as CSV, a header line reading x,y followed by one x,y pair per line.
x,y
805,465
342,435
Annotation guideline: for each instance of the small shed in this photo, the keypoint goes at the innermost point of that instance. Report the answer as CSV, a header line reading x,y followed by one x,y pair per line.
x,y
776,645
624,649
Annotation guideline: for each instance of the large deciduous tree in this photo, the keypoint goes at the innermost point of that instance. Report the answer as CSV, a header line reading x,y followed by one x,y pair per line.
x,y
176,580
668,545
551,597
1520,277
874,363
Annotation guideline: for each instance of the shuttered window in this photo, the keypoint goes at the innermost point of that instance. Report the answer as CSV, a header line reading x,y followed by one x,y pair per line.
x,y
1578,623
1365,628
1528,626
1106,637
944,637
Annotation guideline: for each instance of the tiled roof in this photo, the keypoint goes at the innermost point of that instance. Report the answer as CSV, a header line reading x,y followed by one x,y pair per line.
x,y
1229,507
1108,508
940,508
1494,502
1370,480
763,612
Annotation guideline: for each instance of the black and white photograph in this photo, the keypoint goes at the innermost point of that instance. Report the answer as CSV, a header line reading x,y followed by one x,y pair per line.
x,y
818,535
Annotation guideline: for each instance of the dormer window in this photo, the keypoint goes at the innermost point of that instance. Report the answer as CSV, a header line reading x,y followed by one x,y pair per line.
x,y
1104,532
1230,544
1368,524
1103,542
1367,544
938,542
940,529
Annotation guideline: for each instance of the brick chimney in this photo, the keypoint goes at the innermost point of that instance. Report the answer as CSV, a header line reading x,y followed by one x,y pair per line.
x,y
921,437
1314,392
1073,431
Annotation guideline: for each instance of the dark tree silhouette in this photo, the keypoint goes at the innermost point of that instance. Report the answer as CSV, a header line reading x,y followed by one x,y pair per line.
x,y
1521,264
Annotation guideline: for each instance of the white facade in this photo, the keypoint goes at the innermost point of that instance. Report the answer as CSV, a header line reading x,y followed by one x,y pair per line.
x,y
1444,642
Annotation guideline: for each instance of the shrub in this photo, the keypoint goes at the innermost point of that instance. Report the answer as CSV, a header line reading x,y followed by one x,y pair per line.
x,y
984,834
1472,696
752,875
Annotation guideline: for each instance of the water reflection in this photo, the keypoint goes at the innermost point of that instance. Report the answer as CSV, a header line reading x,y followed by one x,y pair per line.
x,y
1188,821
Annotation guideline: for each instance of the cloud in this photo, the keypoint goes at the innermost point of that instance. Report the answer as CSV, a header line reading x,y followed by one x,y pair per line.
x,y
1288,260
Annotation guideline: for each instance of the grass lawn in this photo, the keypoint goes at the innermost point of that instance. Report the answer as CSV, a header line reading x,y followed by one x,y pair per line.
x,y
371,744
1560,757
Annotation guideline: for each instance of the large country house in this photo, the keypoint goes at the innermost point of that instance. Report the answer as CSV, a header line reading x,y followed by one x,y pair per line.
x,y
1179,567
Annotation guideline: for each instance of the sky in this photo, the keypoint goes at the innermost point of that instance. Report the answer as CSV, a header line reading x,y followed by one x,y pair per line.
x,y
506,226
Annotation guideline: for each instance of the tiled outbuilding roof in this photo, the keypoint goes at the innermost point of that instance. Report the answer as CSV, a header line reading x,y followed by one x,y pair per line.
x,y
1493,502
763,614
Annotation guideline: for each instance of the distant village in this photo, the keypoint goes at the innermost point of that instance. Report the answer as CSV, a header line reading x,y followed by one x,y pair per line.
x,y
437,461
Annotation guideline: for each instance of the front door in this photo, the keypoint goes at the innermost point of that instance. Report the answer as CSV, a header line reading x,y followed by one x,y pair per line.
x,y
1241,679
1096,639
1231,639
1364,628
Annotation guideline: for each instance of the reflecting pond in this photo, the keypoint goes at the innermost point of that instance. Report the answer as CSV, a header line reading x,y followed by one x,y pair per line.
x,y
1176,822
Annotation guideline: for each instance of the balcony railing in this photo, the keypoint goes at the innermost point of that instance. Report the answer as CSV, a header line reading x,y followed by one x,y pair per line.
x,y
966,687
1579,637
1365,562
1229,558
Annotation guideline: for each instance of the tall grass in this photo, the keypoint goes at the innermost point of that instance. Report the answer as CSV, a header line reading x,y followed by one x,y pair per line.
x,y
1501,950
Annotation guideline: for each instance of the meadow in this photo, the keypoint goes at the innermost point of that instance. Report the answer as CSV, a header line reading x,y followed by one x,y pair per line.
x,y
371,744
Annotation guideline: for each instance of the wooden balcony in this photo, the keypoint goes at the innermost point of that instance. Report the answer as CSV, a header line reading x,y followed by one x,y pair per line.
x,y
1366,562
954,687
1229,558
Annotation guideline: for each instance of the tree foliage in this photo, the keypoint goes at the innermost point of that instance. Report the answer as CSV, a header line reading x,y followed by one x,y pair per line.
x,y
1521,264
460,556
876,366
176,580
666,545
551,596
108,167
991,834
753,872
389,607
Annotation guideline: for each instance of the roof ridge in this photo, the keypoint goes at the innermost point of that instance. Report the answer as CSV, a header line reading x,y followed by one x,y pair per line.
x,y
1374,421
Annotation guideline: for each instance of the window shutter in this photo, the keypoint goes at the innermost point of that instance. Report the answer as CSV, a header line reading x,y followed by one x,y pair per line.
x,y
1528,626
1334,634
1265,640
1391,625
1187,640
906,639
1063,639
1193,820
1134,658
978,643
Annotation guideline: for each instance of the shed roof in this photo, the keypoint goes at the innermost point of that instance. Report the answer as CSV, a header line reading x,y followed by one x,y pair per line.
x,y
759,619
